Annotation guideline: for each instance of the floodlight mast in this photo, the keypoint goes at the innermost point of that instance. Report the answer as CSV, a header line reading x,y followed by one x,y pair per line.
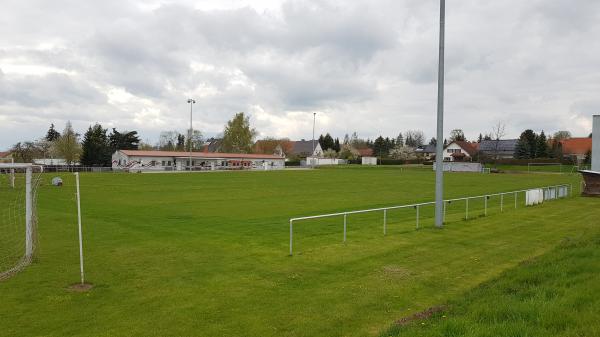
x,y
313,139
191,102
439,151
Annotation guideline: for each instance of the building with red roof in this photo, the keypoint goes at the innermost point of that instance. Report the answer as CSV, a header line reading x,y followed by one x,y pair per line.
x,y
576,147
180,160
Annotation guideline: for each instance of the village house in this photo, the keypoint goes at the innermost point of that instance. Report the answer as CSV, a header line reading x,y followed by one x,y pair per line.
x,y
459,151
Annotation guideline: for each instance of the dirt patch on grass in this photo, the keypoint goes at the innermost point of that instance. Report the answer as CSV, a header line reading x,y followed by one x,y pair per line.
x,y
81,288
420,315
395,272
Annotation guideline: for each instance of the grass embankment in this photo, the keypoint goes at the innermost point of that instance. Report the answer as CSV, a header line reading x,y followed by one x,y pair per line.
x,y
553,295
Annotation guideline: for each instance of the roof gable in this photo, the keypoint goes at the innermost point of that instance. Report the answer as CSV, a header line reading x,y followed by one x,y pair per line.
x,y
466,146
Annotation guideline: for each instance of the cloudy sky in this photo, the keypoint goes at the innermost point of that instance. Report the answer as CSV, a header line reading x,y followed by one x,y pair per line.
x,y
365,66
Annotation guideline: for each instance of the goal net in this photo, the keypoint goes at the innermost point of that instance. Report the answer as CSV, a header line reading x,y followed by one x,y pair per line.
x,y
18,195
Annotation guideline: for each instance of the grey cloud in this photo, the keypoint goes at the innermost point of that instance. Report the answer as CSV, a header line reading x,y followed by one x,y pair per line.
x,y
370,65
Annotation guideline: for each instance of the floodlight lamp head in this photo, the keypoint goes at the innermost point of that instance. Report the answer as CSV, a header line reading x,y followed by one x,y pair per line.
x,y
192,101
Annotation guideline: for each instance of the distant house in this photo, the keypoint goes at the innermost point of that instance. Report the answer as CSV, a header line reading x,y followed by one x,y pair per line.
x,y
427,152
213,144
5,155
459,151
367,152
304,148
498,149
576,147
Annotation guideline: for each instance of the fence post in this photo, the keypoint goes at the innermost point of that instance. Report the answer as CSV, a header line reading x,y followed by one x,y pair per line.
x,y
485,199
501,203
291,236
467,209
384,221
345,218
417,216
444,218
570,190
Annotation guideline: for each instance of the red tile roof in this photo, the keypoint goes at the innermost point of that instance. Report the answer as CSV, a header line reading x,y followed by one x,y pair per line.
x,y
468,147
5,154
365,152
578,146
182,154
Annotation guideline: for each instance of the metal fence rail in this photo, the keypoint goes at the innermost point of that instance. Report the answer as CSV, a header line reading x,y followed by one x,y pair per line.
x,y
550,192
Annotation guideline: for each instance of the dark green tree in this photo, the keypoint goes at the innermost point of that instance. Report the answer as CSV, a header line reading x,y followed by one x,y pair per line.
x,y
433,141
336,145
96,150
127,140
527,145
238,137
400,140
380,148
480,138
180,142
327,142
52,134
542,146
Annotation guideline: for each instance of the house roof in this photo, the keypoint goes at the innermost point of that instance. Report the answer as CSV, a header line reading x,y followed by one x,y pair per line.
x,y
468,147
429,148
303,146
213,144
182,154
4,154
504,145
578,146
366,152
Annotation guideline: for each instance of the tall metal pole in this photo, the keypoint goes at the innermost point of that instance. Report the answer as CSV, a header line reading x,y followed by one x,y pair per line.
x,y
191,101
439,157
313,139
28,214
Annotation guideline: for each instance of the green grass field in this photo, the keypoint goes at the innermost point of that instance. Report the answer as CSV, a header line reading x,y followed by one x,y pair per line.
x,y
206,254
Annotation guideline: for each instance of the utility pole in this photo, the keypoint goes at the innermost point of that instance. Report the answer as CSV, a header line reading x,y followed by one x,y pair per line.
x,y
313,139
191,102
439,153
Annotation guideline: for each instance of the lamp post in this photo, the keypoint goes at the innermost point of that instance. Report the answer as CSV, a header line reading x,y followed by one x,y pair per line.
x,y
313,139
439,153
191,102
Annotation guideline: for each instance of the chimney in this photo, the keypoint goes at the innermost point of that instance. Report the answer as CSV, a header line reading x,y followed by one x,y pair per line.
x,y
596,144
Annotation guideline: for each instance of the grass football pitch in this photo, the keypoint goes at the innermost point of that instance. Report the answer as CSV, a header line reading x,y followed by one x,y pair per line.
x,y
206,254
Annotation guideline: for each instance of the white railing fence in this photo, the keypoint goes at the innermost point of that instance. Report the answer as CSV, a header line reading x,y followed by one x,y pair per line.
x,y
549,193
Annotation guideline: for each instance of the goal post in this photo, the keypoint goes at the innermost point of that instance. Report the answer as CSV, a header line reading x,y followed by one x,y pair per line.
x,y
11,171
18,217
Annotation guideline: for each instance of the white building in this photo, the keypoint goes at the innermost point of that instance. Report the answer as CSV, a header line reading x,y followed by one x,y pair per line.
x,y
178,161
459,151
369,160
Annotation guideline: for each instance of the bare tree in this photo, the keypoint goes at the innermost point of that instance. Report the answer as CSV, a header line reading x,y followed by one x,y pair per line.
x,y
498,132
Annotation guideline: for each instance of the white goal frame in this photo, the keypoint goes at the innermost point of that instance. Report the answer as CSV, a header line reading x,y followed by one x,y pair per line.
x,y
529,165
29,216
11,176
